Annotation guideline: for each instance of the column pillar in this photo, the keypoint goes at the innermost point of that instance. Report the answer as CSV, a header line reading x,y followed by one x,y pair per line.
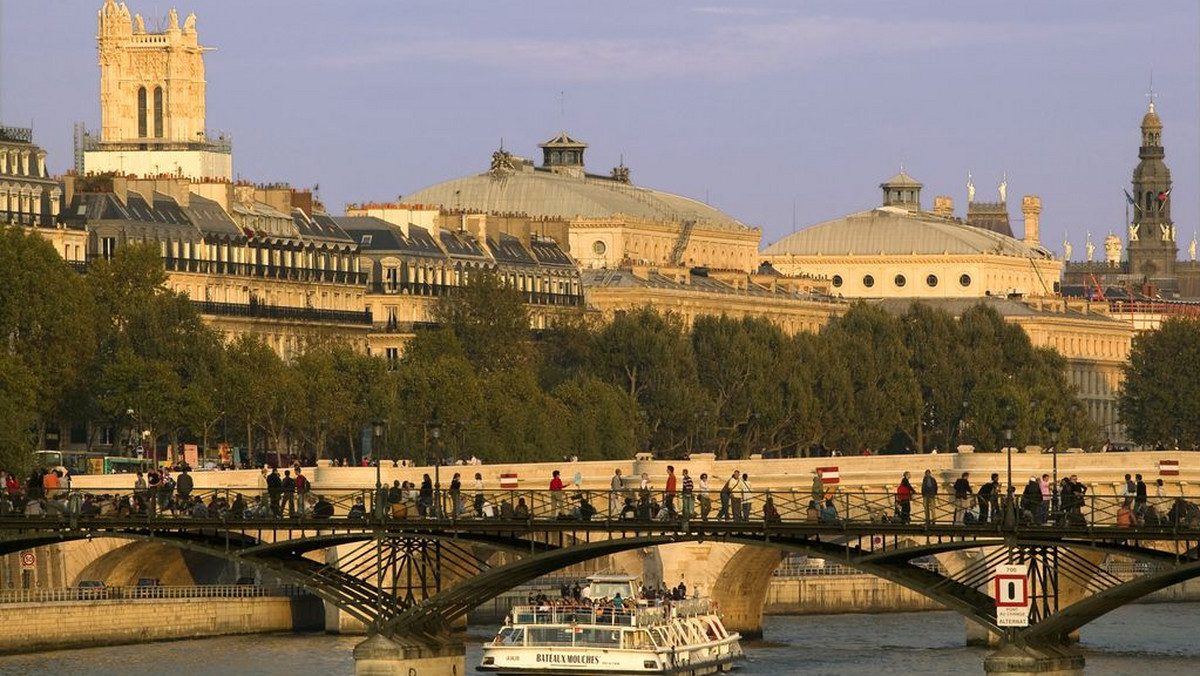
x,y
381,656
1012,660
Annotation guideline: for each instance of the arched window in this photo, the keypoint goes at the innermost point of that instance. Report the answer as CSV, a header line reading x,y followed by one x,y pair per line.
x,y
158,112
141,112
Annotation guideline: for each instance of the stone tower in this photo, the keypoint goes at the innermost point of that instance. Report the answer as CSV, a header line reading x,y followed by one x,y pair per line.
x,y
151,84
1152,247
152,100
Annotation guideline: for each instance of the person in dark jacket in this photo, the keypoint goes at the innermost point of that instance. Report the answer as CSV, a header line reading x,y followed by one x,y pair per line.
x,y
989,499
183,486
425,497
929,490
962,496
288,487
1031,499
274,491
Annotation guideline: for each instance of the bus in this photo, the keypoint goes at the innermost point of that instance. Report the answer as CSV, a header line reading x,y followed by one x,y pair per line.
x,y
74,462
120,465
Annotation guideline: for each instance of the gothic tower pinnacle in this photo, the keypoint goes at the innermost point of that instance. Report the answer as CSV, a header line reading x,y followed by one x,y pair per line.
x,y
1152,246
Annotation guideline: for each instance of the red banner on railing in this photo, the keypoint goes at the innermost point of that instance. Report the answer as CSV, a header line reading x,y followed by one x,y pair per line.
x,y
1168,467
829,475
508,480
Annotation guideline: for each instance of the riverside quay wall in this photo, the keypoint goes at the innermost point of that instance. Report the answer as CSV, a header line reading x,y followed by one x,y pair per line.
x,y
37,627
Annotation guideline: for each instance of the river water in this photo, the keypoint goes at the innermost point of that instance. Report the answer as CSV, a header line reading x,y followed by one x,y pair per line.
x,y
1158,639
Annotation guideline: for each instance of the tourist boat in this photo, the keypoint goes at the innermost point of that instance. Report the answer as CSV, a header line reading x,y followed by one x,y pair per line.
x,y
594,637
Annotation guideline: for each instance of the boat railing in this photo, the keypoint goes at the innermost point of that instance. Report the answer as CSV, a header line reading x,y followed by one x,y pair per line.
x,y
601,614
575,614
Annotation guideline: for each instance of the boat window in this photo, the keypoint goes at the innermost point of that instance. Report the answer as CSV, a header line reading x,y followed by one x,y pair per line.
x,y
510,636
638,640
597,636
550,635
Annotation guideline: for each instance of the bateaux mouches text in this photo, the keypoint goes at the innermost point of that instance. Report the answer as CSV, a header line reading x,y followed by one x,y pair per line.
x,y
555,658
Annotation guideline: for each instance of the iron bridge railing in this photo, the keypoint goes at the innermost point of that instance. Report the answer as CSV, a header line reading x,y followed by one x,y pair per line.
x,y
834,510
149,592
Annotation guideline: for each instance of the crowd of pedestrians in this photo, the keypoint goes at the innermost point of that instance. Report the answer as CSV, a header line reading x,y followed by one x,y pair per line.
x,y
681,497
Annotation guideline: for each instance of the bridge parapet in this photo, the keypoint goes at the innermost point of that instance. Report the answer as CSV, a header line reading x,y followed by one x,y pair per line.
x,y
872,472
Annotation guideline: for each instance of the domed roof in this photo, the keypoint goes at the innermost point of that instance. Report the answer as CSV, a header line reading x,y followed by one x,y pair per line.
x,y
890,231
519,187
1150,120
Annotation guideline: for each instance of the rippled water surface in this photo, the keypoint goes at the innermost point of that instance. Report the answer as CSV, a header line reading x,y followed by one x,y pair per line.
x,y
1163,640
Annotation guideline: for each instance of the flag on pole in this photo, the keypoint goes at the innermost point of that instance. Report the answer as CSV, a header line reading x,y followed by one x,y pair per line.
x,y
1162,198
1130,200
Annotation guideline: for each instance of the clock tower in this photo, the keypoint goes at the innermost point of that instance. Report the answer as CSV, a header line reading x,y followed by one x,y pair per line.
x,y
1152,245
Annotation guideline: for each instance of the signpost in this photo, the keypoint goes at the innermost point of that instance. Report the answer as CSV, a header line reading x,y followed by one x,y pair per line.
x,y
1010,587
1168,467
28,560
508,480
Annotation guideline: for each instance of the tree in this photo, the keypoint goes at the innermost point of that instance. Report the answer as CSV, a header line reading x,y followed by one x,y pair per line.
x,y
490,320
869,345
936,357
742,364
650,356
40,324
603,419
17,414
247,385
1160,400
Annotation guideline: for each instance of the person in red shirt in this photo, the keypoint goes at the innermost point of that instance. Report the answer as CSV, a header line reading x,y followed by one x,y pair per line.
x,y
556,494
671,486
904,496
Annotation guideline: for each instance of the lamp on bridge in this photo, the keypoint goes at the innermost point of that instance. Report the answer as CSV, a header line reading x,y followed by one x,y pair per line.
x,y
435,431
1010,513
1052,428
380,429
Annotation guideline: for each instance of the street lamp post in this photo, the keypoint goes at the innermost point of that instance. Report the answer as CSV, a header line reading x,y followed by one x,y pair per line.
x,y
1008,449
1052,427
435,431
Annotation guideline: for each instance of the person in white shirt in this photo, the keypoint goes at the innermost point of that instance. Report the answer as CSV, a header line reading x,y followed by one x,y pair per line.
x,y
747,499
705,498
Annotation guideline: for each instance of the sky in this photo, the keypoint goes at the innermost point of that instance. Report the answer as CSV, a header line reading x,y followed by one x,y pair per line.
x,y
782,114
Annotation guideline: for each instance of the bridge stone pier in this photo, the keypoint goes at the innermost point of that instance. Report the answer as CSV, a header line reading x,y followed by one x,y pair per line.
x,y
383,656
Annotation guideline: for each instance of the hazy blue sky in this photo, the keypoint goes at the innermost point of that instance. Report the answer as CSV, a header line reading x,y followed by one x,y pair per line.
x,y
755,105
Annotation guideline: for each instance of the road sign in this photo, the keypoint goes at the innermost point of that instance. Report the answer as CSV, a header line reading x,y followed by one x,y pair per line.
x,y
829,475
508,480
1010,587
1168,467
28,560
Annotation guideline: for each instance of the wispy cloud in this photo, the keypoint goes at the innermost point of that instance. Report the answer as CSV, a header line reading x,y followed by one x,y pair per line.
x,y
727,51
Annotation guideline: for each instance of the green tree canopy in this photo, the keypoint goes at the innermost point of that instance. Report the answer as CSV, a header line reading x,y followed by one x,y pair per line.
x,y
1160,400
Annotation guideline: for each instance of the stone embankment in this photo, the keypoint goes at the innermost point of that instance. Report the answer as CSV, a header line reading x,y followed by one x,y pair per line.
x,y
37,627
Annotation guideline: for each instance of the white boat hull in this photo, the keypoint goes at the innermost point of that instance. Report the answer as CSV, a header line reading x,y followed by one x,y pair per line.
x,y
708,658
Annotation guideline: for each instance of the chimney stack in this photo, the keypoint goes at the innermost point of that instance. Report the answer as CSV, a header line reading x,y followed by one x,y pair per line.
x,y
943,206
1031,206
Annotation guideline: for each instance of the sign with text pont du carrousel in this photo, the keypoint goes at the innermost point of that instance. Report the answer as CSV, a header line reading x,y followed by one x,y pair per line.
x,y
1010,587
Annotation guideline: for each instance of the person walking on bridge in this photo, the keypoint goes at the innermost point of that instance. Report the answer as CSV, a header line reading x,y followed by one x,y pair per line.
x,y
672,488
962,496
556,494
302,489
288,487
731,497
904,496
689,495
615,488
274,491
705,497
929,490
818,489
184,485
